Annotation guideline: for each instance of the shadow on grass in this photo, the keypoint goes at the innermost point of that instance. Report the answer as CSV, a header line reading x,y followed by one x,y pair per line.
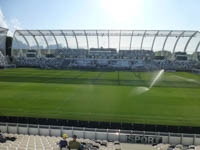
x,y
97,81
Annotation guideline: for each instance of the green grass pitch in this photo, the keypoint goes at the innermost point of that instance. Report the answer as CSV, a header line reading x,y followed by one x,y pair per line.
x,y
101,96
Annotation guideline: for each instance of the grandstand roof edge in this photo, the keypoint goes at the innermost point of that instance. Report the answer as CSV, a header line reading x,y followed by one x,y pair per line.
x,y
4,28
103,30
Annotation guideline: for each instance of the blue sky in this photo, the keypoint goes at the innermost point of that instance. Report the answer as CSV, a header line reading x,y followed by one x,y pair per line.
x,y
100,14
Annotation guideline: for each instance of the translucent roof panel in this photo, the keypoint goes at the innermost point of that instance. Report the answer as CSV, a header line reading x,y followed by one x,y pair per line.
x,y
155,40
193,43
21,41
71,39
103,38
169,43
82,39
158,43
114,38
92,38
149,41
125,41
136,41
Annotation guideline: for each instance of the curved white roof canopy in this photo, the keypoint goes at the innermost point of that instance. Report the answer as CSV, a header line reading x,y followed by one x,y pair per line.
x,y
155,40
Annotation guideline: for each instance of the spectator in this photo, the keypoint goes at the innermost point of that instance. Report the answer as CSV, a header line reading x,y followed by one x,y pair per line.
x,y
2,139
1,135
74,144
63,143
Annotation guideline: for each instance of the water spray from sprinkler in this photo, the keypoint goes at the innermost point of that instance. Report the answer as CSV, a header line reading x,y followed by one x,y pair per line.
x,y
157,77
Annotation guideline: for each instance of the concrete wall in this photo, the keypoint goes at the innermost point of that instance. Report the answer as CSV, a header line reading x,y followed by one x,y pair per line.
x,y
101,134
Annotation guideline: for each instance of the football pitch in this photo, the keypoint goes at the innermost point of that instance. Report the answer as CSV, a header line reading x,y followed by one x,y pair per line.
x,y
117,96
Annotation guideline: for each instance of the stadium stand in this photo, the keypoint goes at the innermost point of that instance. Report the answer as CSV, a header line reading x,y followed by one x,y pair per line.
x,y
58,63
36,142
100,54
29,136
84,55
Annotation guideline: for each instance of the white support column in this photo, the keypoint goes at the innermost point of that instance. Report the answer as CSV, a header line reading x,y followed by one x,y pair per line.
x,y
17,126
194,139
95,134
84,132
169,138
49,129
61,131
28,129
142,40
75,39
131,40
181,138
65,39
54,38
186,45
86,39
177,41
38,127
154,39
107,134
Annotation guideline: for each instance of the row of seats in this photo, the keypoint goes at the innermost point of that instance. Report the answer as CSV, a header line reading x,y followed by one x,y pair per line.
x,y
103,53
62,63
178,65
36,142
83,53
136,53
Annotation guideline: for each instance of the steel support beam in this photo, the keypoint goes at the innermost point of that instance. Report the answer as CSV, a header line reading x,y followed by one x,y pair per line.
x,y
25,40
75,39
154,39
97,38
21,50
120,39
38,46
186,45
45,41
108,40
131,40
142,40
166,40
70,33
65,39
18,45
197,46
86,39
177,41
54,38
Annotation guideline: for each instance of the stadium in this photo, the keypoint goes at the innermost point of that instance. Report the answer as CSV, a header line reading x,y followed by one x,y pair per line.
x,y
114,87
